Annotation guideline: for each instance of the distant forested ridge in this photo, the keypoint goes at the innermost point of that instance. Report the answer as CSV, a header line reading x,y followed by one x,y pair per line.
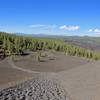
x,y
13,44
87,42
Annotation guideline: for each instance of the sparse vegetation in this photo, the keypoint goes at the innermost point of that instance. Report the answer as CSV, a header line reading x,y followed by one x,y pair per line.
x,y
16,45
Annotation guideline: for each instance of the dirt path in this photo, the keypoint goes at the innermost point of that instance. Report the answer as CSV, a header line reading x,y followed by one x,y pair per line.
x,y
26,70
18,68
43,86
10,76
82,83
52,63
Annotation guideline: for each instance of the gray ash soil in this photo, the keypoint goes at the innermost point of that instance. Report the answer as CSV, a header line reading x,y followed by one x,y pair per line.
x,y
41,87
54,62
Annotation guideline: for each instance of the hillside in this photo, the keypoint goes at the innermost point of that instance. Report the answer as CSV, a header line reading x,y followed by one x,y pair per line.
x,y
16,45
87,42
92,43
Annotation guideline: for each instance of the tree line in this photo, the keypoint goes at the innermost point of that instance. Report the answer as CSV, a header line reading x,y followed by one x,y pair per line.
x,y
16,45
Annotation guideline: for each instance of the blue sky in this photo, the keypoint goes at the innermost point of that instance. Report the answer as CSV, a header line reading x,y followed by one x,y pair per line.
x,y
53,17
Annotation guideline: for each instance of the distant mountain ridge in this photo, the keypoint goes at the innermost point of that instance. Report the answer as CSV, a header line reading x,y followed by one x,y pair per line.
x,y
33,35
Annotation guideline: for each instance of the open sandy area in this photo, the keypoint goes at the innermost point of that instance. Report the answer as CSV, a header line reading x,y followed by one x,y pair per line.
x,y
79,77
54,62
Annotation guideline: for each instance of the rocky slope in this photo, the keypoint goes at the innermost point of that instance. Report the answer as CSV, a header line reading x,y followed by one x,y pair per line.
x,y
41,87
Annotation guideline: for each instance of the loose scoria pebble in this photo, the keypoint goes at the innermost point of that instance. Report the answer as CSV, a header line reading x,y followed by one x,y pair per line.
x,y
39,88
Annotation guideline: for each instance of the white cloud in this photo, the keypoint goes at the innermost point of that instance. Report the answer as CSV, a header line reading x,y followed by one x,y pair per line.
x,y
94,30
37,26
42,26
90,30
70,28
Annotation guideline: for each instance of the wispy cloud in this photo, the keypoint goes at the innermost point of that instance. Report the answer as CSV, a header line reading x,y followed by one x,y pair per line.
x,y
96,30
42,26
36,26
69,27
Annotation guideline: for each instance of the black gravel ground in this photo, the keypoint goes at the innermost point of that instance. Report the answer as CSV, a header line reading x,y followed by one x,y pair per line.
x,y
41,87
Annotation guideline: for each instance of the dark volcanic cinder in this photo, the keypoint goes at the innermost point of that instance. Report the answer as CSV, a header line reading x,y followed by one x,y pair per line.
x,y
41,87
